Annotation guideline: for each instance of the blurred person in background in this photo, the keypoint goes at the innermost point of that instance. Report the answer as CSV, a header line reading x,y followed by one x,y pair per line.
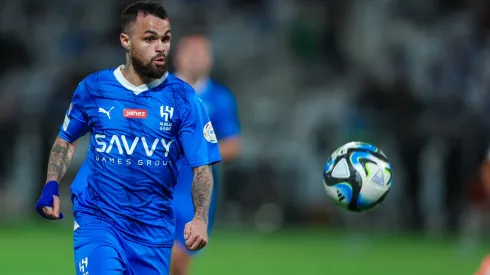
x,y
194,61
142,121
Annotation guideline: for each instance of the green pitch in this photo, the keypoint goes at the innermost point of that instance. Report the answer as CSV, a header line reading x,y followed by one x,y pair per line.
x,y
47,250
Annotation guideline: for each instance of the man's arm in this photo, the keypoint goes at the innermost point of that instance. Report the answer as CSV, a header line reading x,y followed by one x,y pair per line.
x,y
202,190
48,205
75,125
60,158
230,148
201,150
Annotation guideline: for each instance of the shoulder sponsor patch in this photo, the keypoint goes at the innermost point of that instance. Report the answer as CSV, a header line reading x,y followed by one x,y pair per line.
x,y
209,134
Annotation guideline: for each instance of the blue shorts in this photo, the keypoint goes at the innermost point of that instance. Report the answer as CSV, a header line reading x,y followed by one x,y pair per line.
x,y
100,250
184,212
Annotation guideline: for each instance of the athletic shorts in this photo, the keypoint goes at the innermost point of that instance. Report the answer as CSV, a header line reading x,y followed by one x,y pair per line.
x,y
100,250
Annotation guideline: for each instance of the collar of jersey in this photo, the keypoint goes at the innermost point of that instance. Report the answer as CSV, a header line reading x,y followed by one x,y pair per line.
x,y
137,89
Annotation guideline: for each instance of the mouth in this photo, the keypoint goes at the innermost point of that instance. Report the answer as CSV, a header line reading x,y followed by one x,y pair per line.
x,y
159,60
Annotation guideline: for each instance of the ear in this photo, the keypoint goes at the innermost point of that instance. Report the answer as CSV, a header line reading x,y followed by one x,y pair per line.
x,y
125,42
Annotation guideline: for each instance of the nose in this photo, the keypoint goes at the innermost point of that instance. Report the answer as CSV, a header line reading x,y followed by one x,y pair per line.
x,y
160,47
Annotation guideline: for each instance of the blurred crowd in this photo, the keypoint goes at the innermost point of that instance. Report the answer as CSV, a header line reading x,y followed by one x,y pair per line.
x,y
412,77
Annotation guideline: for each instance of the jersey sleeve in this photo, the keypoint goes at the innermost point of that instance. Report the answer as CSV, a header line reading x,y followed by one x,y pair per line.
x,y
75,124
225,118
197,135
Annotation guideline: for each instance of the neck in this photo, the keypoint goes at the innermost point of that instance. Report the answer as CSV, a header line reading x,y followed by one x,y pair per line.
x,y
134,77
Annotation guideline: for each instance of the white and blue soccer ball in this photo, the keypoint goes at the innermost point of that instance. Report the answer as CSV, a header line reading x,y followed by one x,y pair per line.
x,y
357,177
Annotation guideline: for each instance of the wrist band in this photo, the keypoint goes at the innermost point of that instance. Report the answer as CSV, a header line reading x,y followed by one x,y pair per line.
x,y
51,187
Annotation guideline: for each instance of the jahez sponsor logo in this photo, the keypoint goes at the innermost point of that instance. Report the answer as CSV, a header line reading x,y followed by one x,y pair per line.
x,y
135,113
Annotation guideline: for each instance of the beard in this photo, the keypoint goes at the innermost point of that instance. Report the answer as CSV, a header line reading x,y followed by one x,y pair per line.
x,y
148,70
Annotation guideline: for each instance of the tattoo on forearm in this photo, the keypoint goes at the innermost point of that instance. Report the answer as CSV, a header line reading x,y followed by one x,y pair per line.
x,y
202,190
59,159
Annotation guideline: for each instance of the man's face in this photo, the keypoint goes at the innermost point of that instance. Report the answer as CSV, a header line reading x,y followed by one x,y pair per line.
x,y
194,57
148,42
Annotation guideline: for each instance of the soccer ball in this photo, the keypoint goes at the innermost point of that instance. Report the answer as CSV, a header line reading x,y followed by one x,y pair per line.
x,y
357,177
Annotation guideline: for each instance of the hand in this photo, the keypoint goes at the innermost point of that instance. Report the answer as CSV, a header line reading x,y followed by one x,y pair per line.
x,y
196,234
48,205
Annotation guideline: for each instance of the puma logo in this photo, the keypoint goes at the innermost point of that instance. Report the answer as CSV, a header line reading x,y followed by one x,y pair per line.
x,y
108,113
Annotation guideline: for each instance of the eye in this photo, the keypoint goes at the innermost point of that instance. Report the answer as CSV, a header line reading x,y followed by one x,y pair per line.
x,y
149,39
166,39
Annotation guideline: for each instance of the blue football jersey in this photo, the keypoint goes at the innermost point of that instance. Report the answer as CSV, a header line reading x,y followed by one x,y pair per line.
x,y
221,107
137,136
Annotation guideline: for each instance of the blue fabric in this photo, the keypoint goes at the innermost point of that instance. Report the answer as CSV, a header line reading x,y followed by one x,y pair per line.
x,y
46,200
100,249
137,136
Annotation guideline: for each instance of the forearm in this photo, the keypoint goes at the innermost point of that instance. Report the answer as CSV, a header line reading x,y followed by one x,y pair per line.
x,y
59,159
202,190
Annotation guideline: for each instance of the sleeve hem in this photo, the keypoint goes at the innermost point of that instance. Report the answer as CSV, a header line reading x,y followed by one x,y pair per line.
x,y
202,163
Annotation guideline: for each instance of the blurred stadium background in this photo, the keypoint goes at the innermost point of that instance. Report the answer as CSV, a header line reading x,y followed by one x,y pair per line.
x,y
412,77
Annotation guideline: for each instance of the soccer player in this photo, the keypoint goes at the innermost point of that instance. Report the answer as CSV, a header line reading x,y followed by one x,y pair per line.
x,y
141,122
193,61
